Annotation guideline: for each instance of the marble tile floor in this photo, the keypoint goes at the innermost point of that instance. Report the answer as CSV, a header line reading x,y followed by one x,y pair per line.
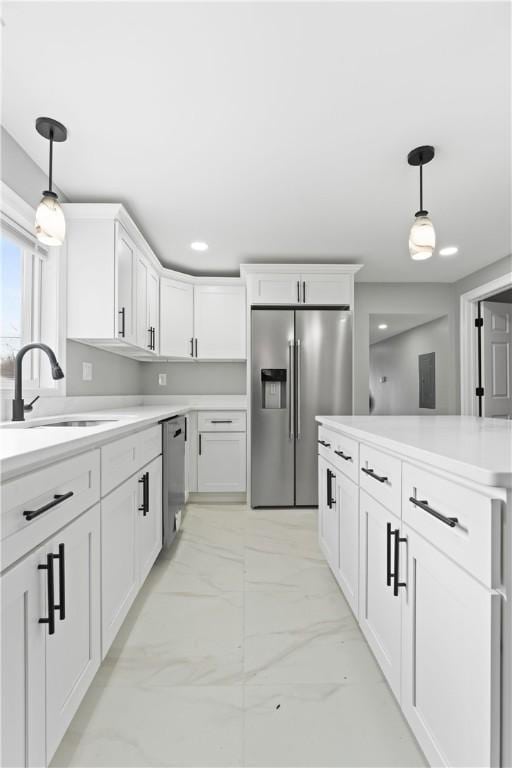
x,y
240,650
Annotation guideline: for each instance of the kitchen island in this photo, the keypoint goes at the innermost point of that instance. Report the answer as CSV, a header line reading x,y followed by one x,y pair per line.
x,y
414,522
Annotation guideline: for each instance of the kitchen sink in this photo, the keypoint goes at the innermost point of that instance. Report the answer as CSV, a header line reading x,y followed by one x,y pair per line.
x,y
76,423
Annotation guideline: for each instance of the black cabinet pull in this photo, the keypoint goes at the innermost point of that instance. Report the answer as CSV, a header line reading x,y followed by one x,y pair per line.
x,y
222,421
50,585
199,443
343,455
326,445
178,432
150,345
144,480
61,607
58,498
192,347
330,477
195,346
186,427
389,573
153,331
396,568
122,329
423,504
304,291
298,291
371,473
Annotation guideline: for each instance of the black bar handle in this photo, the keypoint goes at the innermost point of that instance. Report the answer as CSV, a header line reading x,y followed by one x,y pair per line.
x,y
48,567
195,346
423,504
343,455
145,493
326,445
122,329
303,291
199,443
298,291
389,572
371,473
61,607
58,498
153,331
192,347
150,331
328,488
178,432
222,421
186,428
396,569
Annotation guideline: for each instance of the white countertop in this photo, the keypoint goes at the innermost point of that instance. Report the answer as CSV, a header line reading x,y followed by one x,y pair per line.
x,y
476,449
22,447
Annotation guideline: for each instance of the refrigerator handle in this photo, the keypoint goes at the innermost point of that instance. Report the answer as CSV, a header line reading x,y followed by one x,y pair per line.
x,y
291,388
297,398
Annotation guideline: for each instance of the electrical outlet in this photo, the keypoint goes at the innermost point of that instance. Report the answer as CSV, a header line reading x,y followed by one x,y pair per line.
x,y
87,371
162,379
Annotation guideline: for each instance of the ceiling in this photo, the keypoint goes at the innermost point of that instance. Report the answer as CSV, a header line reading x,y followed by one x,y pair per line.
x,y
275,131
397,323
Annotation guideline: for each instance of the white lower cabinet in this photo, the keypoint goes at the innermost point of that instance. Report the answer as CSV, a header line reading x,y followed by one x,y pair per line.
x,y
451,660
379,606
131,538
73,651
221,462
328,516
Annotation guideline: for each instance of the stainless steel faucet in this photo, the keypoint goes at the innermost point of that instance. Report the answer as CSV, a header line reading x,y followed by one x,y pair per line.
x,y
18,405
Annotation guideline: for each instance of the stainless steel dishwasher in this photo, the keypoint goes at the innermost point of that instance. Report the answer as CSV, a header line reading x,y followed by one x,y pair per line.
x,y
174,435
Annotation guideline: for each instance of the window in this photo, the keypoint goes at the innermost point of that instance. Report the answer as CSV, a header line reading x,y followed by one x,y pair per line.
x,y
31,303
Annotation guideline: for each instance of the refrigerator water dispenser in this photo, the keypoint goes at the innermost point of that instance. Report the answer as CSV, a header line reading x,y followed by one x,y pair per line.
x,y
273,387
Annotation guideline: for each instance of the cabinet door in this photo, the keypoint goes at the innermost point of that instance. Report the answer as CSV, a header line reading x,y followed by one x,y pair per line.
x,y
149,518
347,503
73,651
276,288
176,318
153,313
22,669
451,660
141,292
125,271
329,525
221,462
219,321
326,289
379,609
119,579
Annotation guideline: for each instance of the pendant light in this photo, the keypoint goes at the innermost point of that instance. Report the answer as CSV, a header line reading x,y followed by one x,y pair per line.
x,y
50,221
422,237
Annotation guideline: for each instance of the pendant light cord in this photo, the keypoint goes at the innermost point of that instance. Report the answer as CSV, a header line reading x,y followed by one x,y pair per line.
x,y
421,186
50,172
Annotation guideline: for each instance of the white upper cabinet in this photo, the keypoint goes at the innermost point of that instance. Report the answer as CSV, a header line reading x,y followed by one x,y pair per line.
x,y
125,271
147,304
176,318
312,285
205,322
219,322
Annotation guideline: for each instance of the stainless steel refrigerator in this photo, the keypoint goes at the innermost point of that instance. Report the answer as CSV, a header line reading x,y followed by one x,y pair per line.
x,y
301,367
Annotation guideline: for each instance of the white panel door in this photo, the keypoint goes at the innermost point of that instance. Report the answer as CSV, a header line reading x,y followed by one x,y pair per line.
x,y
379,608
497,358
219,322
153,302
149,517
73,652
125,271
347,504
22,665
326,289
143,333
221,462
119,577
176,318
451,660
276,288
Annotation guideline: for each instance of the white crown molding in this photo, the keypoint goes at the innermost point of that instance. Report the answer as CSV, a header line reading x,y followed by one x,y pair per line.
x,y
271,268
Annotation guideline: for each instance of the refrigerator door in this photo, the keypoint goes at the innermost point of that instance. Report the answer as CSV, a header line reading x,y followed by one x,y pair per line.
x,y
272,425
323,339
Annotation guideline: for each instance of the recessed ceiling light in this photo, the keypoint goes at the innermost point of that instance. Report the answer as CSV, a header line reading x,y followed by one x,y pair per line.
x,y
382,327
198,245
450,250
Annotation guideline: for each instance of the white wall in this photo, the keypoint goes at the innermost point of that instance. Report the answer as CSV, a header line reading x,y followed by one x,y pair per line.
x,y
112,374
396,359
194,378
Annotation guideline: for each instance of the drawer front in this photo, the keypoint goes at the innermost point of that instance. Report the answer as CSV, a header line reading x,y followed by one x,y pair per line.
x,y
221,421
345,455
380,476
474,540
79,477
124,457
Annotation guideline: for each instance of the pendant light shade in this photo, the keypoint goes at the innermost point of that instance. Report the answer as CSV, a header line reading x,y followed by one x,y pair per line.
x,y
422,237
50,221
50,225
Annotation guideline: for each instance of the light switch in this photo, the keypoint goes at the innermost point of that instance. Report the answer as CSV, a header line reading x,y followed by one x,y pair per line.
x,y
162,379
87,371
